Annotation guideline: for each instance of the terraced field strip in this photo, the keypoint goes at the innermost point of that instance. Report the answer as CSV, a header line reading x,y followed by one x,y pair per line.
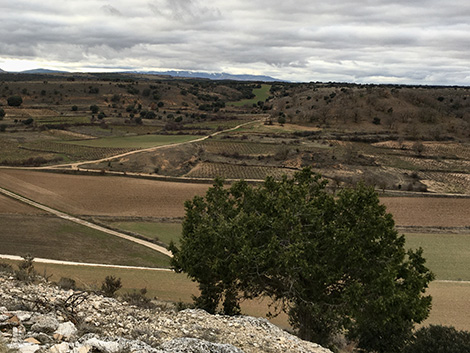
x,y
85,223
242,148
232,171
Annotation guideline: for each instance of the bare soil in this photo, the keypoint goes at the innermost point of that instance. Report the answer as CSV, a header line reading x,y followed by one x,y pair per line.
x,y
10,206
102,195
429,211
120,196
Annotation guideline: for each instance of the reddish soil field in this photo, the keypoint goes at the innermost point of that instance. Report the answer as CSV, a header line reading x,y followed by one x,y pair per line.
x,y
429,211
102,195
120,196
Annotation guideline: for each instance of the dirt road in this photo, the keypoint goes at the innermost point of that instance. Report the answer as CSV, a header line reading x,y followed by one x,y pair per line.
x,y
76,165
72,263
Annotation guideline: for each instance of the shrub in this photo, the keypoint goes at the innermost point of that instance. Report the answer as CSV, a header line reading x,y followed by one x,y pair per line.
x,y
2,113
67,283
138,299
74,108
94,108
26,271
15,101
110,286
439,339
6,268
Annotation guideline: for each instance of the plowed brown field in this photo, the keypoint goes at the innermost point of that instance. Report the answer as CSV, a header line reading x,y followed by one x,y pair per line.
x,y
429,211
120,196
10,206
102,195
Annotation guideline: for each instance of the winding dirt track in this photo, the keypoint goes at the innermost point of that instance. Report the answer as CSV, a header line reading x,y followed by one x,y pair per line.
x,y
76,165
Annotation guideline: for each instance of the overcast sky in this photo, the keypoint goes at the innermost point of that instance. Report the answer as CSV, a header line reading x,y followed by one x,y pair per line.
x,y
370,41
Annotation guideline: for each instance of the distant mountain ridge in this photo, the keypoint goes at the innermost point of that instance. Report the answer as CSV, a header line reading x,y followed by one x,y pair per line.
x,y
174,73
211,76
43,71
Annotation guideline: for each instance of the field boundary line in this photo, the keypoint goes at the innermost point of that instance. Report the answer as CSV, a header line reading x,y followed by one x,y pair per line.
x,y
73,263
450,281
77,220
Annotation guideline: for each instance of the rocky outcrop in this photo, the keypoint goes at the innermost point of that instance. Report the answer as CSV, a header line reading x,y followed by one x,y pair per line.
x,y
45,318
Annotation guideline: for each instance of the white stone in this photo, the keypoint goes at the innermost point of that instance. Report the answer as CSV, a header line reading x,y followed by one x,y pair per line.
x,y
26,347
66,329
103,346
60,348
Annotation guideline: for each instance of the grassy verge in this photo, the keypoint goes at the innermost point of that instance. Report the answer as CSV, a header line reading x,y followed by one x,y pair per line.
x,y
447,255
55,238
142,141
165,232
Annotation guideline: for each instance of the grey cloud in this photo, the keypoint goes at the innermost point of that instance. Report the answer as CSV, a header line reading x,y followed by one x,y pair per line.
x,y
392,41
111,10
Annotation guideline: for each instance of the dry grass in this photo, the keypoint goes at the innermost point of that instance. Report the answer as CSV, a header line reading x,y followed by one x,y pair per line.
x,y
451,304
447,255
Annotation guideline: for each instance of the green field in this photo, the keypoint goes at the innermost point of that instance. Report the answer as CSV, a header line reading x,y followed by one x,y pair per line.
x,y
54,238
261,94
142,141
447,255
164,232
56,120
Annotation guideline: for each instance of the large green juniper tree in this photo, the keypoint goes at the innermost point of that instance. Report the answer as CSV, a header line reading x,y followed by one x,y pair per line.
x,y
335,264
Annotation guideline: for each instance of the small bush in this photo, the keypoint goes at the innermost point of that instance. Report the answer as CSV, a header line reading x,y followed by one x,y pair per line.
x,y
94,108
110,286
26,271
138,299
6,268
15,101
67,283
439,339
179,306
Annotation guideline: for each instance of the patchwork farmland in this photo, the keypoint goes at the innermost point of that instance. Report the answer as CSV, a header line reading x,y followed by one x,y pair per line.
x,y
420,168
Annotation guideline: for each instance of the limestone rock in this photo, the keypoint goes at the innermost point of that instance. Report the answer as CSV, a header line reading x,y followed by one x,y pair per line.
x,y
66,330
46,324
103,346
192,345
114,326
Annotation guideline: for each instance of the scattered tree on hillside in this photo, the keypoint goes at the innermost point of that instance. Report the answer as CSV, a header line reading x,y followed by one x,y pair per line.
x,y
334,264
94,108
2,113
15,101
